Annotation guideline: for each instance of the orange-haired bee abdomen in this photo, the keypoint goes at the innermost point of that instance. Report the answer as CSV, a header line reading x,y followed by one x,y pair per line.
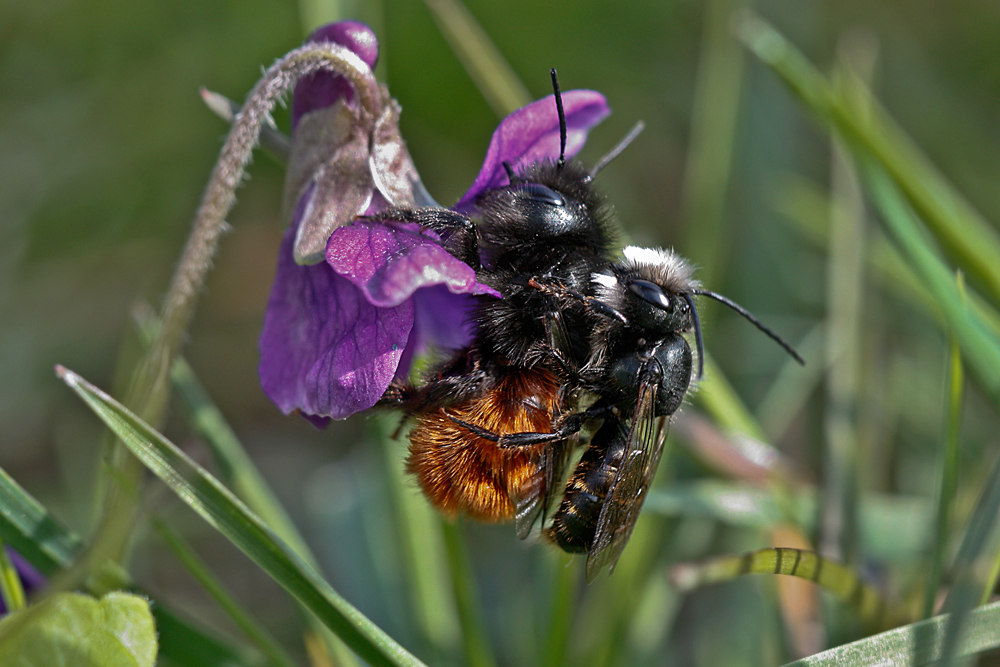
x,y
460,471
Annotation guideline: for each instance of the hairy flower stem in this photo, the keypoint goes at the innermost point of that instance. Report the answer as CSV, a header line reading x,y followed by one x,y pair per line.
x,y
150,388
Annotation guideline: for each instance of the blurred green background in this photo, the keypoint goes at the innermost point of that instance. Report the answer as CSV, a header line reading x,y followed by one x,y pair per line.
x,y
105,147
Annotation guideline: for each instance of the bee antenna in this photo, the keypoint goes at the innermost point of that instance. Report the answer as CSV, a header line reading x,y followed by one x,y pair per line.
x,y
511,176
562,118
617,150
753,320
699,343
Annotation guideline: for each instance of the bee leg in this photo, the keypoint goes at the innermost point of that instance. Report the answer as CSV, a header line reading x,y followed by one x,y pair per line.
x,y
570,426
458,232
397,394
512,439
484,433
453,383
593,303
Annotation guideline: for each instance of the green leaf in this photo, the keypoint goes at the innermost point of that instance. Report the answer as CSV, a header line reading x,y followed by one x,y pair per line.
x,y
224,511
915,644
75,629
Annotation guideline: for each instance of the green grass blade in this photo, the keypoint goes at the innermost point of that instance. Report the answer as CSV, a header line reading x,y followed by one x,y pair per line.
x,y
714,116
224,511
844,298
253,630
949,477
478,652
969,239
565,575
29,528
980,345
717,396
431,599
239,472
236,467
836,578
495,79
975,556
912,645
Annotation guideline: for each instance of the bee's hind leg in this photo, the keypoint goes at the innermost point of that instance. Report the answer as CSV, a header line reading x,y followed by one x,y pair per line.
x,y
569,426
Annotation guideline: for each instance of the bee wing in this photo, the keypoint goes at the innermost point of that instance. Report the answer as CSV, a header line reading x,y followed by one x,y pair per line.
x,y
555,325
643,447
529,507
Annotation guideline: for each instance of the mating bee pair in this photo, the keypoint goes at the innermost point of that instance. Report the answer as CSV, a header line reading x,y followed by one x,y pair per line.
x,y
581,345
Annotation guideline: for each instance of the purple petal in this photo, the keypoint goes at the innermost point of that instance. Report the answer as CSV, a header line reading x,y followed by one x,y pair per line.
x,y
390,262
442,318
323,89
531,134
325,350
443,321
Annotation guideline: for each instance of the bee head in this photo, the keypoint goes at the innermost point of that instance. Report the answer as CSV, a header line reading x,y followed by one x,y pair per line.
x,y
651,288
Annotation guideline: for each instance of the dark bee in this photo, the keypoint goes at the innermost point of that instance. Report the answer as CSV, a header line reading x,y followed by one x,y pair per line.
x,y
473,447
578,343
641,368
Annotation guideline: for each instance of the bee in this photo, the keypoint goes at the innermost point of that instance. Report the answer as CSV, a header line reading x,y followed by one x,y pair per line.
x,y
485,441
579,344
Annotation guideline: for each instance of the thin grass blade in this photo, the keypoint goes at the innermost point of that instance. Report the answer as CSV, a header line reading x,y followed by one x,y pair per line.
x,y
975,557
707,173
949,477
251,628
34,533
10,583
478,652
224,511
495,79
423,549
969,239
841,581
981,347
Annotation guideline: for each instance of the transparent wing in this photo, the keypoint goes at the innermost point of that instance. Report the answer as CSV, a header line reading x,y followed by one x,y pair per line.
x,y
643,447
536,503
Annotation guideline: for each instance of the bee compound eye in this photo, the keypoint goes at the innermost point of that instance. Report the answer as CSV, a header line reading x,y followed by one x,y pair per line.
x,y
540,193
651,293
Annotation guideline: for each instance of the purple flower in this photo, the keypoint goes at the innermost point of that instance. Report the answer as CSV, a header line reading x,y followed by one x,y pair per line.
x,y
337,332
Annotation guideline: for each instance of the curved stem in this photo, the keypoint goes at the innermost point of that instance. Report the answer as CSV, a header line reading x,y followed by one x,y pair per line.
x,y
219,197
